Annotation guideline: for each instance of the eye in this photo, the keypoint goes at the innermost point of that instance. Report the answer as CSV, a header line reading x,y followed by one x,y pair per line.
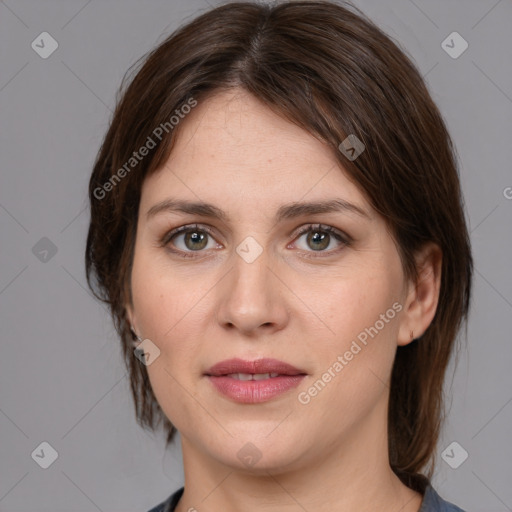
x,y
320,237
189,239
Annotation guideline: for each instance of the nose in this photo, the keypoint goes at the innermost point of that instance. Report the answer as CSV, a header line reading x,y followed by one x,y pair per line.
x,y
252,297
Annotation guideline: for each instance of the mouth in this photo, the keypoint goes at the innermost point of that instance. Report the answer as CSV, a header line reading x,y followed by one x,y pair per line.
x,y
254,381
266,367
251,376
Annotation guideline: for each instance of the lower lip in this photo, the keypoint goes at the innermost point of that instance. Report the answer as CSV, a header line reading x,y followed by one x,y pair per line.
x,y
254,391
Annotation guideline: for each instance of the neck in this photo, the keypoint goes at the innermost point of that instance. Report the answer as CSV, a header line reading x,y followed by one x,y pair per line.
x,y
353,474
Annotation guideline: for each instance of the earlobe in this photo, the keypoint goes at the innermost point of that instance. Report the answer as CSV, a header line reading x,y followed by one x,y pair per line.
x,y
136,339
130,319
423,296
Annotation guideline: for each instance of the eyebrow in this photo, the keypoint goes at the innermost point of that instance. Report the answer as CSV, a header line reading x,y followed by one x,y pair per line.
x,y
285,212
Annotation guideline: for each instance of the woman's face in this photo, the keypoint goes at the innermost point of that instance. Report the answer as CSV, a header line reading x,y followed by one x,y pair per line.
x,y
250,286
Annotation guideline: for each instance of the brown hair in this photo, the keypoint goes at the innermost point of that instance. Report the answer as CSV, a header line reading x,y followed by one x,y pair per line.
x,y
331,71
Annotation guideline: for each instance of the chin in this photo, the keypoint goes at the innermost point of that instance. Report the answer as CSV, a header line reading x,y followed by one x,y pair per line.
x,y
261,453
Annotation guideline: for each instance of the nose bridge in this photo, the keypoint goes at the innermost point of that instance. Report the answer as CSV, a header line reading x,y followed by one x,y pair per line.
x,y
251,269
251,297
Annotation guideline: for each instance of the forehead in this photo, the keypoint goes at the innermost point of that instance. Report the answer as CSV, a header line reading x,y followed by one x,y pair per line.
x,y
239,130
232,147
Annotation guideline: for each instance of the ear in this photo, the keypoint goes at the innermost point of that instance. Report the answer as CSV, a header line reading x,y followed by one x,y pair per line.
x,y
130,317
423,295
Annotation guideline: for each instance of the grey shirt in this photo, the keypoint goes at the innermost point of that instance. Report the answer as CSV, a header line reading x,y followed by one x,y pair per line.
x,y
432,502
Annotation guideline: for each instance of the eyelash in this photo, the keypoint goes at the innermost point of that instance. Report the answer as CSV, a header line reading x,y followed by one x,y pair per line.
x,y
338,235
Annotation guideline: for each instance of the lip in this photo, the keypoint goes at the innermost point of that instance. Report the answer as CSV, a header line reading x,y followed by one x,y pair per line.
x,y
254,391
265,365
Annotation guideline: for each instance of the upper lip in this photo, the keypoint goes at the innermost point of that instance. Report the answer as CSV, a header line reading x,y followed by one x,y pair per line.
x,y
265,365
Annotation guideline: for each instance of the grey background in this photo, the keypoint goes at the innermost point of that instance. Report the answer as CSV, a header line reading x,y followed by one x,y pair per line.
x,y
61,377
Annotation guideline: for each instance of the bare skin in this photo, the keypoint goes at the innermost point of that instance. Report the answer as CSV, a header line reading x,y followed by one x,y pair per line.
x,y
294,302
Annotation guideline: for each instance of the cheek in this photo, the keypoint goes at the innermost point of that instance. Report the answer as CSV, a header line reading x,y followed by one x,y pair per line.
x,y
352,303
170,309
165,307
161,296
355,358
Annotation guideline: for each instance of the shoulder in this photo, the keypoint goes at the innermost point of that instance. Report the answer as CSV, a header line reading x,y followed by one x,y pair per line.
x,y
170,503
432,502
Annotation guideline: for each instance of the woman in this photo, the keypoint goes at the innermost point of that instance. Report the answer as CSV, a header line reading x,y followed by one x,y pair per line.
x,y
278,229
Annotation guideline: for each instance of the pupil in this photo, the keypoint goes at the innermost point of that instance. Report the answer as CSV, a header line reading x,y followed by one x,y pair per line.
x,y
315,237
195,238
